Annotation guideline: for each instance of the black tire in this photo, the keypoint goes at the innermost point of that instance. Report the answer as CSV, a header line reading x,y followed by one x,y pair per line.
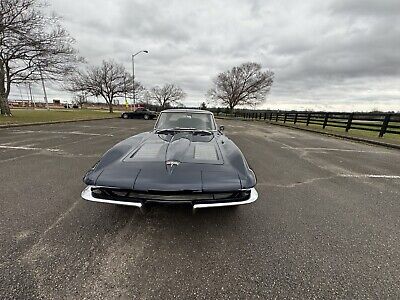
x,y
146,117
125,116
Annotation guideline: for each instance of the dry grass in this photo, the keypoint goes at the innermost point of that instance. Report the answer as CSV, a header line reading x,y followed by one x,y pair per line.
x,y
21,116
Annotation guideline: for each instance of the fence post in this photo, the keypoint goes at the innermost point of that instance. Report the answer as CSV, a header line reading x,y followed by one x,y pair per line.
x,y
325,120
295,118
259,117
384,125
284,119
349,121
277,114
308,118
270,116
265,116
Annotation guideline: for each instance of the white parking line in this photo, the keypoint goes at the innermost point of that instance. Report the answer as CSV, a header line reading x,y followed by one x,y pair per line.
x,y
312,180
108,127
370,176
28,148
61,132
332,149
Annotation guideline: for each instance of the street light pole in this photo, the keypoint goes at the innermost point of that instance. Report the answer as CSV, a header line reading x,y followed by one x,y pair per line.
x,y
133,76
133,82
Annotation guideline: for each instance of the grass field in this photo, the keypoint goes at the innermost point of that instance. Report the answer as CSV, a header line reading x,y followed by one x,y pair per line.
x,y
372,135
21,116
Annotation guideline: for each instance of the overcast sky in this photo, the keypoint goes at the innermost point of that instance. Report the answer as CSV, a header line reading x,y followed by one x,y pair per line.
x,y
328,55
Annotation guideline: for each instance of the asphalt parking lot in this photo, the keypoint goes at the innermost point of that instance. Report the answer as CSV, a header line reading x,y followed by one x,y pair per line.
x,y
326,225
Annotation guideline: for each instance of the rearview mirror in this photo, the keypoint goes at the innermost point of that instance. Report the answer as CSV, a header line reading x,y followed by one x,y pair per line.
x,y
221,128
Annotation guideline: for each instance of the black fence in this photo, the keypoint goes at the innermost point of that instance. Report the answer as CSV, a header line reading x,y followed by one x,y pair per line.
x,y
382,123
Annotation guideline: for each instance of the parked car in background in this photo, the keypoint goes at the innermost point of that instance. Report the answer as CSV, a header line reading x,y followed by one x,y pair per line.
x,y
70,105
140,113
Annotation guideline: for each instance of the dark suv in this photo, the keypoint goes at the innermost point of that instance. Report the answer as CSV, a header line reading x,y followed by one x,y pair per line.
x,y
140,113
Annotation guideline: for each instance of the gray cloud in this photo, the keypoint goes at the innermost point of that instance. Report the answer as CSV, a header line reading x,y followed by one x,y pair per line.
x,y
342,54
367,7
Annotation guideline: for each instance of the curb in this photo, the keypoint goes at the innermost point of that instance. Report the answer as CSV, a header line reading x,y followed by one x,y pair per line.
x,y
352,138
54,122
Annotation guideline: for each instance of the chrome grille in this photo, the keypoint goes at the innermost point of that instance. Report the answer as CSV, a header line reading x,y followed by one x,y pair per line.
x,y
142,196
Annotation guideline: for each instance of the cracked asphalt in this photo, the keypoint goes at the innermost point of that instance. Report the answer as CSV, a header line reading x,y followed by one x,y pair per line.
x,y
326,224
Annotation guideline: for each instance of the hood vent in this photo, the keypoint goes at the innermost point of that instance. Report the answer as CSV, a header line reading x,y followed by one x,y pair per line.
x,y
182,150
205,151
149,151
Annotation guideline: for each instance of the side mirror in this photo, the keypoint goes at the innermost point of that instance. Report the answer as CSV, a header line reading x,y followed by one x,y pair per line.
x,y
221,128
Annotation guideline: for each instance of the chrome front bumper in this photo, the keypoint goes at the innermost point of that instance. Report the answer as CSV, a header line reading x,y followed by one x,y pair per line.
x,y
87,195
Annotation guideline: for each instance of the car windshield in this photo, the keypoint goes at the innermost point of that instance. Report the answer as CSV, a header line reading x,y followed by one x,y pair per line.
x,y
185,120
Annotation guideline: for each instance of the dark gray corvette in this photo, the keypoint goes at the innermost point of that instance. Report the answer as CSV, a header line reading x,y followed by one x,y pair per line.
x,y
185,159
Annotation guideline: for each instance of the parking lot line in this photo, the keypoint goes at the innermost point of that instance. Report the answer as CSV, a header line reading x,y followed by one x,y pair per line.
x,y
61,132
28,148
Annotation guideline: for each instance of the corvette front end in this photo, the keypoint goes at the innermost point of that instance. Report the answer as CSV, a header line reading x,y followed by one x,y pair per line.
x,y
198,165
141,198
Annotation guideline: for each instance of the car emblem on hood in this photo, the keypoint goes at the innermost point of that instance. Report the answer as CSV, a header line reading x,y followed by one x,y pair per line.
x,y
171,164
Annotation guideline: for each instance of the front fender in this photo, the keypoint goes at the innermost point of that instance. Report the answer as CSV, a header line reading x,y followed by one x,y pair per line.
x,y
235,157
116,153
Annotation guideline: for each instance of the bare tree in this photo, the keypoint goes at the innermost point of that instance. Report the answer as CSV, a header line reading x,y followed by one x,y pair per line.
x,y
246,84
32,45
167,95
109,80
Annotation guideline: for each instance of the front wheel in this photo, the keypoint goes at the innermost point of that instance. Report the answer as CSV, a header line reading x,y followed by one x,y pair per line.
x,y
125,116
146,117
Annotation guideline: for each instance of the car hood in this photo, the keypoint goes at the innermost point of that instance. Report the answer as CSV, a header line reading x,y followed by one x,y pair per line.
x,y
175,162
182,147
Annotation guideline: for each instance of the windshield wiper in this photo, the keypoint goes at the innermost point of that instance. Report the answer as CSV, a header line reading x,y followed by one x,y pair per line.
x,y
202,131
184,128
175,129
178,129
165,131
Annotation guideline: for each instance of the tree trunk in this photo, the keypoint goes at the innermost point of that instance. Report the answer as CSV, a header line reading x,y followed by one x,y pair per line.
x,y
110,107
4,107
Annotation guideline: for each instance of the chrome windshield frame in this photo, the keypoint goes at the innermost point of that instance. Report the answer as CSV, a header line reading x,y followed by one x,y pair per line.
x,y
215,129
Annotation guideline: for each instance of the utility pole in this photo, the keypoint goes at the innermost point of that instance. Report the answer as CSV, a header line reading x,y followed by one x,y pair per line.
x,y
125,99
30,93
44,90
